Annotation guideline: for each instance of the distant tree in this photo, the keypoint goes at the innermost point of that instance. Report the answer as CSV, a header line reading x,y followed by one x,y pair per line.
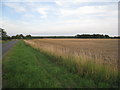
x,y
21,36
13,37
78,36
28,37
18,36
106,36
1,30
3,34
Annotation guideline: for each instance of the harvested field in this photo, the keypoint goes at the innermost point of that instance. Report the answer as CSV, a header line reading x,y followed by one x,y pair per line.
x,y
96,58
104,50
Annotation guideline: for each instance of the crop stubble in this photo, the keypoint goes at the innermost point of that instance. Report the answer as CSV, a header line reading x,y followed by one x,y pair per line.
x,y
79,53
103,50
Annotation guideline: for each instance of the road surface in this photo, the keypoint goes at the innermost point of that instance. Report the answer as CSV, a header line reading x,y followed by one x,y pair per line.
x,y
7,46
4,48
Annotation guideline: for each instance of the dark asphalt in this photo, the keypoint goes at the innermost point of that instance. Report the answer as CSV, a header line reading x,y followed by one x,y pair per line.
x,y
4,48
7,46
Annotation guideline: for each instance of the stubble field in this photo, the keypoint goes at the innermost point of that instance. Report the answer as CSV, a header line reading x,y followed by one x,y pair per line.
x,y
93,58
104,51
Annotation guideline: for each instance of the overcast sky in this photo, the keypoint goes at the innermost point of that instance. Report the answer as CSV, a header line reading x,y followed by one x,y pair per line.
x,y
59,17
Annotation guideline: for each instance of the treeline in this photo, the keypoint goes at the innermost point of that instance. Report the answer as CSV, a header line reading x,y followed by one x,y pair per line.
x,y
21,36
4,36
37,37
92,36
77,36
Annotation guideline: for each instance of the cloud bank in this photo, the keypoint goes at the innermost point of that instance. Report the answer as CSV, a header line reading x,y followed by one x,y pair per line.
x,y
58,17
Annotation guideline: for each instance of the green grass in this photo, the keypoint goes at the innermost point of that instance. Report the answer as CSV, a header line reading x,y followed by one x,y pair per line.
x,y
25,67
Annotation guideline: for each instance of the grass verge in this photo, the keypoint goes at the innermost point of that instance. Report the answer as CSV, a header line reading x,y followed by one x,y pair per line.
x,y
26,67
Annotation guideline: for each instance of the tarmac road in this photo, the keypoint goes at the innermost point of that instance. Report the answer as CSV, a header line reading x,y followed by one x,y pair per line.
x,y
7,46
4,48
